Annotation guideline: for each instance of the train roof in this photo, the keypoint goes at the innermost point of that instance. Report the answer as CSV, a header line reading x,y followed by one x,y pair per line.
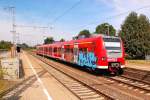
x,y
91,38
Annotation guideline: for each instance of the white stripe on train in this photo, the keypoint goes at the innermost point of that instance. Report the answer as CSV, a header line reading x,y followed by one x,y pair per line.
x,y
106,67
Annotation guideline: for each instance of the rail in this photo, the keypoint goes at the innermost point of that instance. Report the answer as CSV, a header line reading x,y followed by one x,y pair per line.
x,y
93,81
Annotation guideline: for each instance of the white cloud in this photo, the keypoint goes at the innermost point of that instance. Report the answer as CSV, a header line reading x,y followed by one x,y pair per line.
x,y
121,6
5,26
5,29
34,36
125,5
30,36
27,35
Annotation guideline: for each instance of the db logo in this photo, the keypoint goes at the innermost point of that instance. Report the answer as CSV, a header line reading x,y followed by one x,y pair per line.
x,y
112,59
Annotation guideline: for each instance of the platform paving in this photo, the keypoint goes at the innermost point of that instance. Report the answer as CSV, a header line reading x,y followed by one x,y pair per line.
x,y
42,85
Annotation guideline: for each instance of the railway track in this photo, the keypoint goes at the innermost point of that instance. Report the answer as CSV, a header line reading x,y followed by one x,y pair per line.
x,y
12,93
137,75
107,88
133,84
78,88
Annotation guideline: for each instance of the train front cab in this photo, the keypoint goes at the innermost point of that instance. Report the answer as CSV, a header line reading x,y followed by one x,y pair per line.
x,y
110,54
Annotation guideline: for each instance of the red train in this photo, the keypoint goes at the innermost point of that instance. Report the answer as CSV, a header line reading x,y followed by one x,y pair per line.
x,y
97,52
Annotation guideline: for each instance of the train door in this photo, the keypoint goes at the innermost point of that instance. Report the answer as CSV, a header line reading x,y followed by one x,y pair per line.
x,y
62,52
75,52
52,51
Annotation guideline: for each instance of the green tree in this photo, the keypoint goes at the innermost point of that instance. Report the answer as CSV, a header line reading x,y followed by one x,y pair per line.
x,y
48,40
144,36
23,45
62,40
135,33
85,33
5,45
103,29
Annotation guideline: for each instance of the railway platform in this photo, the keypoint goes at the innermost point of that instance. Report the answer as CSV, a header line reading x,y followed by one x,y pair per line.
x,y
38,84
43,81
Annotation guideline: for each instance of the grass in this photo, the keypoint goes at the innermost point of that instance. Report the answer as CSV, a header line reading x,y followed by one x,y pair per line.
x,y
1,74
139,61
4,84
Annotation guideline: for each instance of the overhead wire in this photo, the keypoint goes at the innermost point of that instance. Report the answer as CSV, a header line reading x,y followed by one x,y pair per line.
x,y
66,11
111,17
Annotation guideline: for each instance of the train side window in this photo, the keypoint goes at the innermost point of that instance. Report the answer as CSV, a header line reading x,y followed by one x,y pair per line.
x,y
75,51
55,50
80,50
50,49
71,50
45,49
59,50
38,49
67,50
62,50
85,50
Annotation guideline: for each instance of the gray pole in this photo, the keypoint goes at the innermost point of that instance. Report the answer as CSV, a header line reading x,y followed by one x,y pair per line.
x,y
14,26
43,47
108,30
12,11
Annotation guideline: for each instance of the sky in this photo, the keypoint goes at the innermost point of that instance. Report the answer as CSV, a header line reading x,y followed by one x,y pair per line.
x,y
85,14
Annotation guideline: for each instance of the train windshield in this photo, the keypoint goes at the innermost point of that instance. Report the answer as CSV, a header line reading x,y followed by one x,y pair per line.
x,y
112,45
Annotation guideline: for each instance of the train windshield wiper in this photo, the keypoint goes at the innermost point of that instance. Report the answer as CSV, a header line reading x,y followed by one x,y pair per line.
x,y
114,51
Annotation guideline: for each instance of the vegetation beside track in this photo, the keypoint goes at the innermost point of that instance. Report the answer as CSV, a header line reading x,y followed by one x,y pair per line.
x,y
5,45
145,62
5,84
